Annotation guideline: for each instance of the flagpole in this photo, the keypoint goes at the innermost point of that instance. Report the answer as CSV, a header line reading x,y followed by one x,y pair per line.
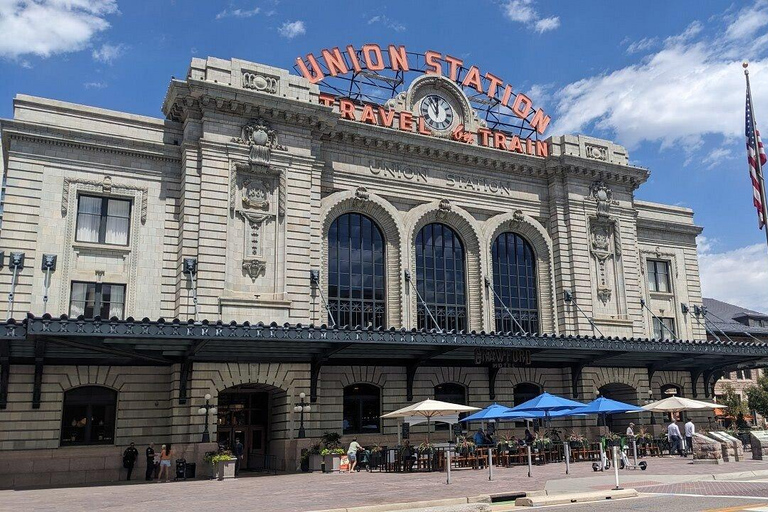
x,y
758,163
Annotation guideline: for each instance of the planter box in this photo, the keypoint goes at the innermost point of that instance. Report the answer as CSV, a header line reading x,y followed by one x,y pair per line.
x,y
315,462
332,463
226,468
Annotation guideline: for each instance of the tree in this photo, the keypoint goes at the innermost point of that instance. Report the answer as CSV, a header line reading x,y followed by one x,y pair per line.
x,y
757,396
733,402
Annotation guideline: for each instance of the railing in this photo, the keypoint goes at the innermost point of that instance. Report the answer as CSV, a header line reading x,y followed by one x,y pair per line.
x,y
264,463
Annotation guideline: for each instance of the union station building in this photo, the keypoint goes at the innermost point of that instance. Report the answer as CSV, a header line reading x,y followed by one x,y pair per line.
x,y
263,239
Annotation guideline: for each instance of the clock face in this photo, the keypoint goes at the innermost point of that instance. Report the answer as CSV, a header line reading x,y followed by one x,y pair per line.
x,y
437,112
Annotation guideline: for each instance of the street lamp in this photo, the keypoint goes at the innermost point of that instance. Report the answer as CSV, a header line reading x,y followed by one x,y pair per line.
x,y
302,407
204,411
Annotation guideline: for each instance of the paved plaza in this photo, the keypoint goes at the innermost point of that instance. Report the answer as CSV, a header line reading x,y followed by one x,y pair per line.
x,y
315,491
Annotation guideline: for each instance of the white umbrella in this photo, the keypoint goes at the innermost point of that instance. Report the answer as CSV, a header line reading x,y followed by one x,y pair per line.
x,y
429,409
678,403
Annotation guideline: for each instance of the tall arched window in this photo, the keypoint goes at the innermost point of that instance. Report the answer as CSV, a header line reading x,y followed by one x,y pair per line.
x,y
362,409
356,293
452,393
88,416
440,278
514,281
522,393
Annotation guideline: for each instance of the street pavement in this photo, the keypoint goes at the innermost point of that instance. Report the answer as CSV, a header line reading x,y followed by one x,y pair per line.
x,y
664,478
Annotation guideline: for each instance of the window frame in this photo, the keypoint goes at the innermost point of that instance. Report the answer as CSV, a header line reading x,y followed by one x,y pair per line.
x,y
663,332
110,414
98,294
525,270
450,397
359,404
103,217
653,276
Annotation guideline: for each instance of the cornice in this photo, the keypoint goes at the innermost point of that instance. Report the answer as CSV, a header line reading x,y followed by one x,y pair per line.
x,y
660,225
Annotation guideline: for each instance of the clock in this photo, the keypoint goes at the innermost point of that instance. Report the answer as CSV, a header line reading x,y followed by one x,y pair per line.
x,y
437,112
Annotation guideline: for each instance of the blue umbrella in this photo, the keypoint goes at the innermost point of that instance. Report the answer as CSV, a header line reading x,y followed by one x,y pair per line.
x,y
492,412
600,405
545,403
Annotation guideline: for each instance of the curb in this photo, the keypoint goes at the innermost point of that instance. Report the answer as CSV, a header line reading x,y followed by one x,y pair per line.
x,y
580,497
447,502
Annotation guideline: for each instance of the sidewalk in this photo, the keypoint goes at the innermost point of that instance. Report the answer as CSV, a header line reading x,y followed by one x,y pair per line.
x,y
314,491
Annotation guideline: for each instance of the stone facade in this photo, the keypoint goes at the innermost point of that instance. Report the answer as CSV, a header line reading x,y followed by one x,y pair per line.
x,y
245,174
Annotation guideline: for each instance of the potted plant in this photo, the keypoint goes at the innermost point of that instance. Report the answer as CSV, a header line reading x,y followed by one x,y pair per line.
x,y
222,464
542,443
315,460
426,448
612,439
464,446
332,458
576,441
505,444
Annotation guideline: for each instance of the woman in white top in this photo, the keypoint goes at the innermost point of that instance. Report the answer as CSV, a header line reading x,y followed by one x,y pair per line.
x,y
354,447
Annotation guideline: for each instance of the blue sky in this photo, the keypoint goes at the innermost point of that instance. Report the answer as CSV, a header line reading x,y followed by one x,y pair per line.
x,y
662,78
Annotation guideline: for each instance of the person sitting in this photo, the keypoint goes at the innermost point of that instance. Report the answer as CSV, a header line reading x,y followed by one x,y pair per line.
x,y
479,437
528,437
406,453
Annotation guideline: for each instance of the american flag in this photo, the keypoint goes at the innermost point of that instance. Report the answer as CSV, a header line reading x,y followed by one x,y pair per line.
x,y
753,141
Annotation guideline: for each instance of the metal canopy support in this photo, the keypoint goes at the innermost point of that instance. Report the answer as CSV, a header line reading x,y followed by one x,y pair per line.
x,y
184,373
314,376
493,372
410,375
5,371
695,374
576,370
38,384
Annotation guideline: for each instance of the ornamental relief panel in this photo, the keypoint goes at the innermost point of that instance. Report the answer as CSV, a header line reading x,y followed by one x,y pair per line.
x,y
257,207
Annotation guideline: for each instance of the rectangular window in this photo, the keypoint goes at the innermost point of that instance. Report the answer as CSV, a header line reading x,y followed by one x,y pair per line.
x,y
740,374
666,332
97,299
748,374
103,220
658,276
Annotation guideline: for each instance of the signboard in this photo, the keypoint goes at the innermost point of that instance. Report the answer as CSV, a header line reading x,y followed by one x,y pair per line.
x,y
406,431
502,357
363,84
344,463
458,429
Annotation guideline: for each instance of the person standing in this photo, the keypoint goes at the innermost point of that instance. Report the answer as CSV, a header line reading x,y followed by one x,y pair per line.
x,y
150,462
129,458
239,455
165,463
674,438
690,430
631,431
354,447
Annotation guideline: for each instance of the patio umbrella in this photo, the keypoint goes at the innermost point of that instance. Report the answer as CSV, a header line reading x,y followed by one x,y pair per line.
x,y
430,408
602,407
492,412
545,403
678,404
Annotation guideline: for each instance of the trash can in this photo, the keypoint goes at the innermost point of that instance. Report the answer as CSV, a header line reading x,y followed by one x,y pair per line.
x,y
190,470
181,468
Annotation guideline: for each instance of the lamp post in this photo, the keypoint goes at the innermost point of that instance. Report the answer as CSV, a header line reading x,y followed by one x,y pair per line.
x,y
302,407
650,399
204,411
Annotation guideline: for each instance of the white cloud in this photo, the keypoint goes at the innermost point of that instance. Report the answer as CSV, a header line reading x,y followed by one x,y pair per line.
x,y
238,13
748,21
50,27
291,29
387,22
108,52
524,11
546,24
691,87
716,157
95,85
642,45
747,266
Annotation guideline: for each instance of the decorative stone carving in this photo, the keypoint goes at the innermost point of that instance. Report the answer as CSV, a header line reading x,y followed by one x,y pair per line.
x,y
255,194
596,152
444,208
254,267
518,216
262,139
603,195
362,194
260,82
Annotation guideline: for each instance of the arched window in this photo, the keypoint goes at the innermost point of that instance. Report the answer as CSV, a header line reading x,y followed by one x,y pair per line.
x,y
362,409
514,281
88,416
356,293
452,393
440,278
522,393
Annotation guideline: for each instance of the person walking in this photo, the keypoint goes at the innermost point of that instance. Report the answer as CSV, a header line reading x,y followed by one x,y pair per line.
x,y
631,431
690,430
239,455
150,462
129,458
354,447
674,438
165,463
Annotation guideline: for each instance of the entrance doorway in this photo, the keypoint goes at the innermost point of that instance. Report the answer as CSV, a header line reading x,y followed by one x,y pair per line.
x,y
244,415
622,393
